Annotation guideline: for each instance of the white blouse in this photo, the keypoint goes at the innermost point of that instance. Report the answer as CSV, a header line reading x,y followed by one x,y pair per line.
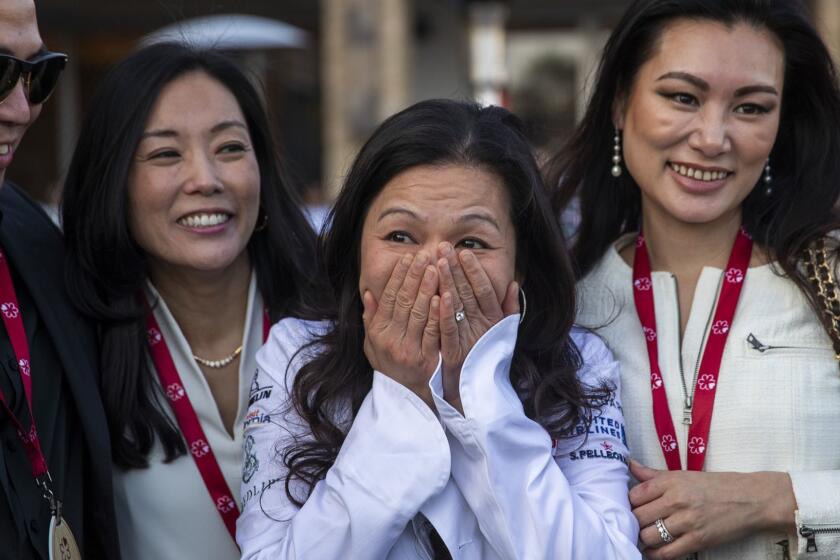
x,y
165,511
777,406
491,482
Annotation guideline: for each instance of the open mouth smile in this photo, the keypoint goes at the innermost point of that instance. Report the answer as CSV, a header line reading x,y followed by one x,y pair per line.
x,y
204,220
699,174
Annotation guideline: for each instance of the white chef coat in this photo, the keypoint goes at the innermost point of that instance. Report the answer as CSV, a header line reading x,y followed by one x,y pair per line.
x,y
491,482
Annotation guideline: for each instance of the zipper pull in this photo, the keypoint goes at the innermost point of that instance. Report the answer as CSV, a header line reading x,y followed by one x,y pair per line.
x,y
785,549
687,415
809,534
755,343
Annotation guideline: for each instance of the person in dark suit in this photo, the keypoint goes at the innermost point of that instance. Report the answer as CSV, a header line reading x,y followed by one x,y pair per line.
x,y
59,490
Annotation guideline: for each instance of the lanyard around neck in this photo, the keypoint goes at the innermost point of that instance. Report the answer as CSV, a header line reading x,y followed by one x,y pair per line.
x,y
707,376
13,321
188,422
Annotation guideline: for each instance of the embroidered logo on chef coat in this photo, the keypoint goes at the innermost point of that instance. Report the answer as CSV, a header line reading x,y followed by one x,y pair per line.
x,y
602,436
252,464
256,418
257,490
258,392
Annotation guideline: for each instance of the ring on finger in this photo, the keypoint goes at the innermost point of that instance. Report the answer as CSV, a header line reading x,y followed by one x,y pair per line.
x,y
460,316
664,534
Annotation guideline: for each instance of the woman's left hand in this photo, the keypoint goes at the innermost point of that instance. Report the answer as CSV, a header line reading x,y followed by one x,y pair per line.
x,y
465,287
705,509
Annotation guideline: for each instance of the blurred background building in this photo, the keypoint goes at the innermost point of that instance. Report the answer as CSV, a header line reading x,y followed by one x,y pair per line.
x,y
333,69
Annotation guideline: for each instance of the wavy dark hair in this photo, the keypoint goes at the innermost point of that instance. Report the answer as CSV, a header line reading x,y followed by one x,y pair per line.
x,y
545,362
806,166
106,269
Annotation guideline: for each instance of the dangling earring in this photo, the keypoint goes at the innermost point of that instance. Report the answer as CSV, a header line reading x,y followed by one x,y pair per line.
x,y
768,179
263,222
616,159
524,302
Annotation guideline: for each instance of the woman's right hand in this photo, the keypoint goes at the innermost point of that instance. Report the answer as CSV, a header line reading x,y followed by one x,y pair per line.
x,y
402,332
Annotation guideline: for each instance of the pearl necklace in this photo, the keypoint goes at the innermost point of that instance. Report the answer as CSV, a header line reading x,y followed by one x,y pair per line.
x,y
221,362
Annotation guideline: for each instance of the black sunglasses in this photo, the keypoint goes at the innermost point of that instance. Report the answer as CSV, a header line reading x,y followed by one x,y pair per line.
x,y
40,75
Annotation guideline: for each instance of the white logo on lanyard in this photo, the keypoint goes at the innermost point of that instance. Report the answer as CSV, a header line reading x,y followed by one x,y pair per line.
x,y
199,448
10,310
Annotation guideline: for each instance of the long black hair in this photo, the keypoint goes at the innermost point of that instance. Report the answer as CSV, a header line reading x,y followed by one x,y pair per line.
x,y
545,362
806,166
106,269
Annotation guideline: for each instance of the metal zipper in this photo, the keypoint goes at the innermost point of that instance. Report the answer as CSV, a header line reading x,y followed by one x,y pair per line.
x,y
811,533
756,344
688,401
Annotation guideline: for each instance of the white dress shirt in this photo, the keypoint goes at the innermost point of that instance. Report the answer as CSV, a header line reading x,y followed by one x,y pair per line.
x,y
777,406
491,482
165,511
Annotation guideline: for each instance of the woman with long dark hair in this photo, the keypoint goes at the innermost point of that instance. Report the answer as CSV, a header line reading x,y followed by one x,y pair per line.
x,y
439,413
184,242
707,172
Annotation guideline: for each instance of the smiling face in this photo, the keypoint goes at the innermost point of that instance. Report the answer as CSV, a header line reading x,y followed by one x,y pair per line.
x,y
701,119
18,37
427,205
194,186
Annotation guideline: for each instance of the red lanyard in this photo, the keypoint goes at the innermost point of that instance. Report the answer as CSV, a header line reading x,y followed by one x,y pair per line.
x,y
187,419
707,378
10,310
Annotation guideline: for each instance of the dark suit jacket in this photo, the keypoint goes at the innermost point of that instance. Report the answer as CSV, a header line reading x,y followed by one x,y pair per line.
x,y
35,247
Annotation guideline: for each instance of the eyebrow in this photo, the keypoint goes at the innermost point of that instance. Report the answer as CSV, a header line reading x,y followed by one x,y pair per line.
x,y
169,133
704,85
224,125
472,216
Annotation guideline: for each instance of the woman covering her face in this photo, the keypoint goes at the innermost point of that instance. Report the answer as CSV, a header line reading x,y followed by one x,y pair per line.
x,y
707,171
184,244
438,414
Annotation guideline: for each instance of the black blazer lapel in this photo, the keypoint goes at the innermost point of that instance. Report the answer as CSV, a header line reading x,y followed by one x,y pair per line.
x,y
36,250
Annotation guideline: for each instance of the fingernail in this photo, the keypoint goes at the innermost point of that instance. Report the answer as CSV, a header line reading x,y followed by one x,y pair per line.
x,y
422,258
428,275
445,248
406,259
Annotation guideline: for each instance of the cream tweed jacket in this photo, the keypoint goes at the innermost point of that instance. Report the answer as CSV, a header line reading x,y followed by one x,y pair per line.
x,y
778,398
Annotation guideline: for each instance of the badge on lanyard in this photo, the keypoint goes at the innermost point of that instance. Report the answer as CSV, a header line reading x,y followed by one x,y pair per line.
x,y
62,544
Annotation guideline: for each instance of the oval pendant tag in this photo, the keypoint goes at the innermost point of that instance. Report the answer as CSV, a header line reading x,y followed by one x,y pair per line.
x,y
62,544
